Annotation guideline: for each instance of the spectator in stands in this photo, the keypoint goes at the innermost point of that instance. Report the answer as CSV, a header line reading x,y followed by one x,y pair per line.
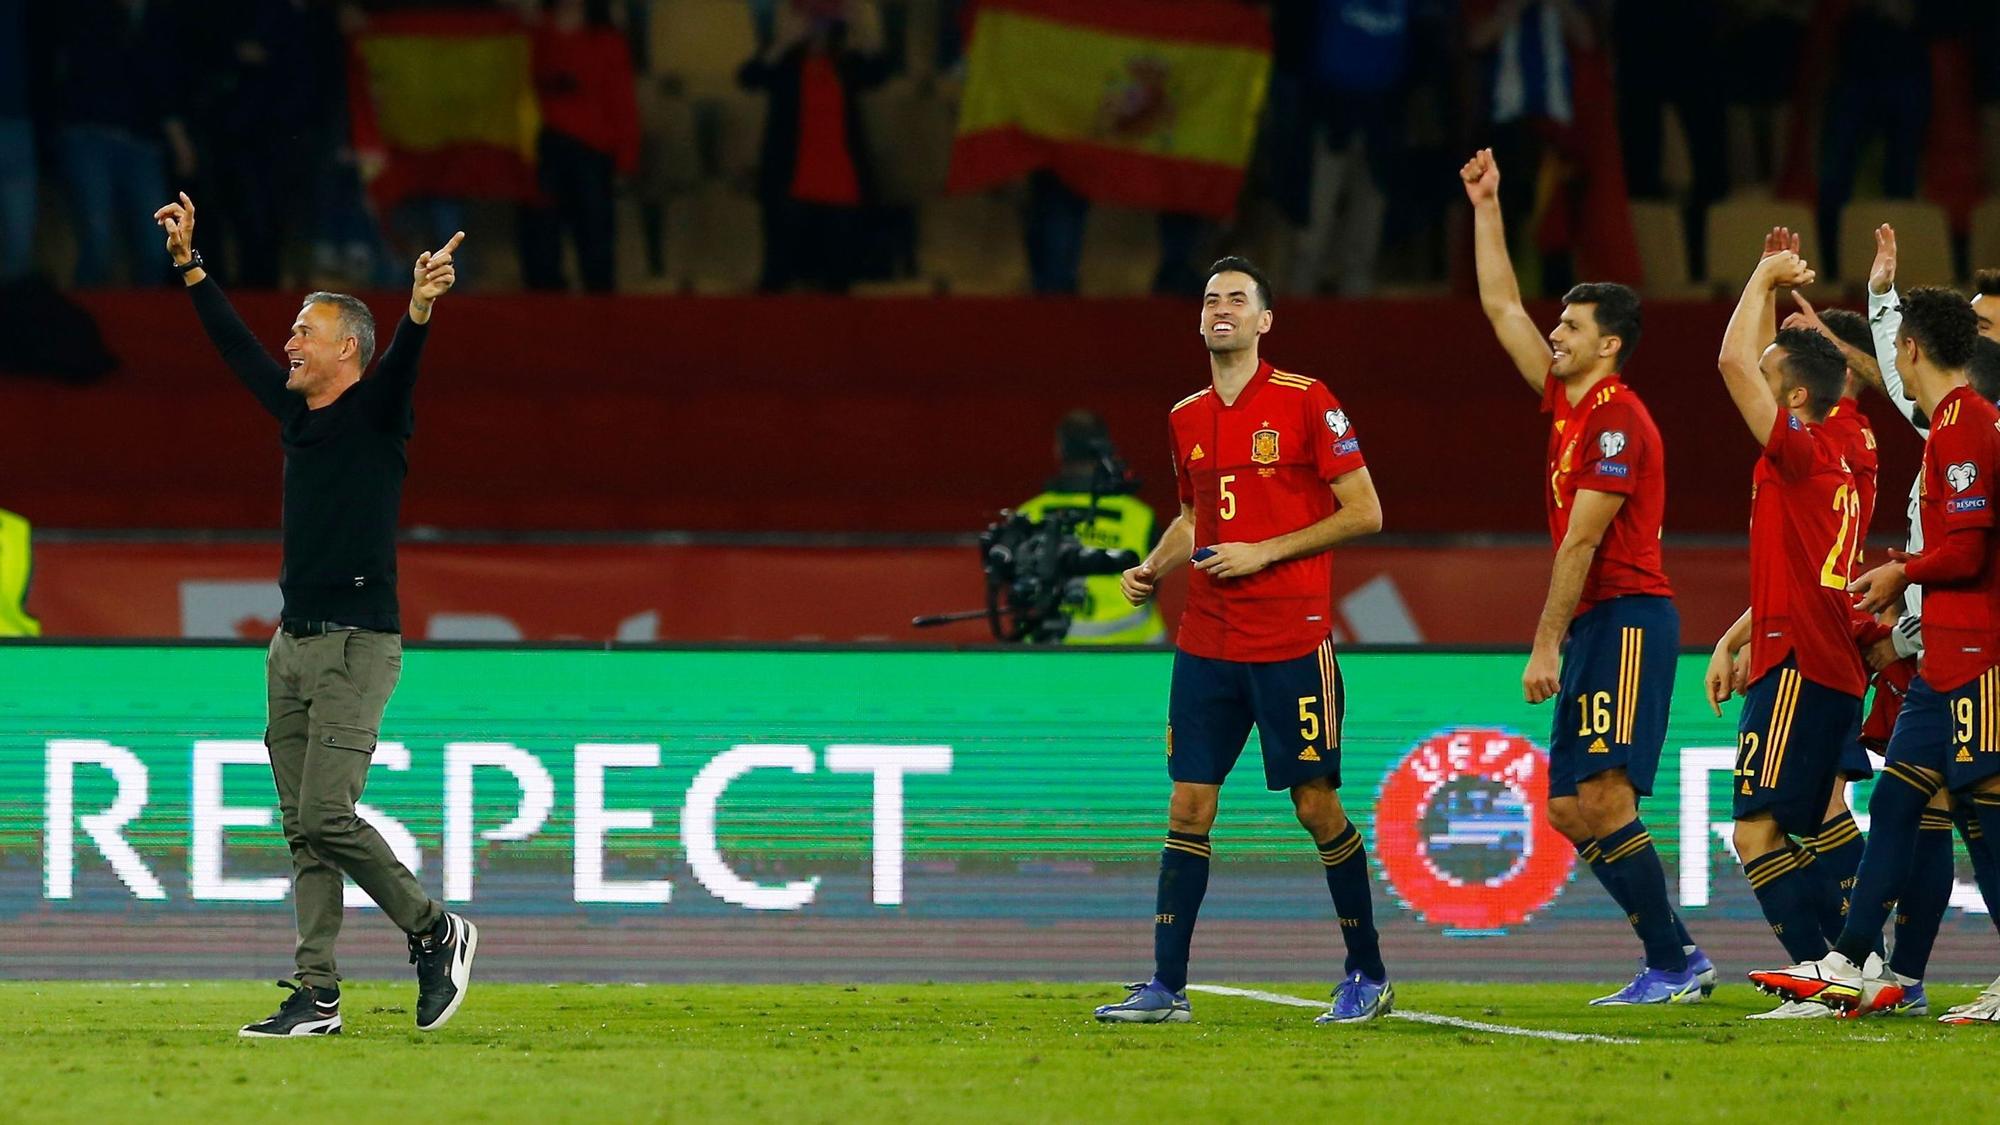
x,y
1356,56
278,99
17,145
1655,44
118,108
814,172
1881,89
1524,47
590,135
1758,84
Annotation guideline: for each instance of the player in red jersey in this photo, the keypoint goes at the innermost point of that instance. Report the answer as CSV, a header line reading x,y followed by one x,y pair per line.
x,y
1805,677
1948,733
1609,610
1270,476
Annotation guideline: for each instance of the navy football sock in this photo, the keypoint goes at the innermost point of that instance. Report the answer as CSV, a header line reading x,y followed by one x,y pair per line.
x,y
1985,872
1183,882
1986,814
1926,894
1837,856
1353,901
1789,893
1635,864
1592,855
1894,811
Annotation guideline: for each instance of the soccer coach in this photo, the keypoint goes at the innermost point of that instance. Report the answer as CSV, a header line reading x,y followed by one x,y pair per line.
x,y
339,650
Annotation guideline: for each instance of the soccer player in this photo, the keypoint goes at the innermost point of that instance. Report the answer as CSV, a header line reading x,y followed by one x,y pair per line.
x,y
338,651
1608,594
1948,733
1805,677
1270,476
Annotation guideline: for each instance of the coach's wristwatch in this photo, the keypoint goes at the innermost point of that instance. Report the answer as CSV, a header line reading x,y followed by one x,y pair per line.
x,y
192,264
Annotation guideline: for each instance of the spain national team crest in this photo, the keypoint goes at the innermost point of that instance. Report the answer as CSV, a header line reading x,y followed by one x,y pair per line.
x,y
1264,447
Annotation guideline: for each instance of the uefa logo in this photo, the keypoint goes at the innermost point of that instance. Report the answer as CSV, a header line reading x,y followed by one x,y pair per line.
x,y
1461,834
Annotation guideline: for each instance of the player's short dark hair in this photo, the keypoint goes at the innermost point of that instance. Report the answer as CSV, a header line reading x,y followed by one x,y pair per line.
x,y
1235,264
1986,283
355,321
1942,323
1617,312
1984,370
1813,362
1850,328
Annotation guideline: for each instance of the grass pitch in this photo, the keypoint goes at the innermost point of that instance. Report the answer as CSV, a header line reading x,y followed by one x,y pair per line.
x,y
878,1053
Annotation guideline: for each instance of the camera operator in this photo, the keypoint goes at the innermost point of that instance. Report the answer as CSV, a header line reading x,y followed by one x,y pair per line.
x,y
1089,465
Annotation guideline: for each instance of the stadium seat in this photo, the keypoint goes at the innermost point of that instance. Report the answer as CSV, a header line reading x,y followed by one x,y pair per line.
x,y
702,42
972,244
1986,235
1121,252
715,241
1662,236
1923,240
1736,230
910,135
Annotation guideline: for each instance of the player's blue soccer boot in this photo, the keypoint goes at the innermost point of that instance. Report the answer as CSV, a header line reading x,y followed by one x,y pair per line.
x,y
1655,986
1703,970
1150,1002
1913,1003
1358,1000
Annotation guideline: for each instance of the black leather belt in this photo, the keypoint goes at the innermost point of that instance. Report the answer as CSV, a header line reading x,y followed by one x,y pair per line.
x,y
300,627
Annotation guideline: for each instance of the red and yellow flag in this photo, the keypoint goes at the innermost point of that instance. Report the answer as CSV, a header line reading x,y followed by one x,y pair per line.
x,y
446,101
1145,103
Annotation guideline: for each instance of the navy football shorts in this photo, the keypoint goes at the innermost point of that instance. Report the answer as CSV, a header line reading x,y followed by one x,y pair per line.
x,y
1296,706
1617,682
1788,748
1953,733
1855,764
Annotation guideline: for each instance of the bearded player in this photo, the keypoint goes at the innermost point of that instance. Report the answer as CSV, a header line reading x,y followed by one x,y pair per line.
x,y
1609,636
1270,477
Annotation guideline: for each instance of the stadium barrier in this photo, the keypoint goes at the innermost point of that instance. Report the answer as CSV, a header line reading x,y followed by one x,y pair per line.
x,y
817,814
708,592
540,412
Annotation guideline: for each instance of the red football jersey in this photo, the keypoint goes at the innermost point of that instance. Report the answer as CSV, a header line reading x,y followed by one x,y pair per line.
x,y
1855,439
1804,521
1252,470
1607,443
1961,619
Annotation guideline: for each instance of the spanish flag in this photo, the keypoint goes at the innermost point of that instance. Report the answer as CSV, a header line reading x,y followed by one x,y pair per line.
x,y
1145,103
445,102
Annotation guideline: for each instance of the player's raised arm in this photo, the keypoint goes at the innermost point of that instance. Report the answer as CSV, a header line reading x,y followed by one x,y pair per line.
x,y
1751,329
1499,290
1589,520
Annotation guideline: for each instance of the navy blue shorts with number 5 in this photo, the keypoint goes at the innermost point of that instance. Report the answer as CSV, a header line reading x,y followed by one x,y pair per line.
x,y
1617,683
1296,706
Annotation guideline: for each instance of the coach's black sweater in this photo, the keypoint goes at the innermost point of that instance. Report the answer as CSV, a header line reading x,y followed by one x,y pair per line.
x,y
344,469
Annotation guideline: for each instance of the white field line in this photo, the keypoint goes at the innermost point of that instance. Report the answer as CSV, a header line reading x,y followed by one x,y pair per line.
x,y
1420,1017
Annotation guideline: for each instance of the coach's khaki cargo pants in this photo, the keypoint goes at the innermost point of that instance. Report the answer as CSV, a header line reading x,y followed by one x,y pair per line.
x,y
326,696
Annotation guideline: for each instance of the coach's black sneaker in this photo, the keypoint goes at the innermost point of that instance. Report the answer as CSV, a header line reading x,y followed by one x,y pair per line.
x,y
443,958
307,1011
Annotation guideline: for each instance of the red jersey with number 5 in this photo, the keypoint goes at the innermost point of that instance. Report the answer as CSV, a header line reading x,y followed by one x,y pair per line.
x,y
1961,619
1607,443
1251,470
1804,522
